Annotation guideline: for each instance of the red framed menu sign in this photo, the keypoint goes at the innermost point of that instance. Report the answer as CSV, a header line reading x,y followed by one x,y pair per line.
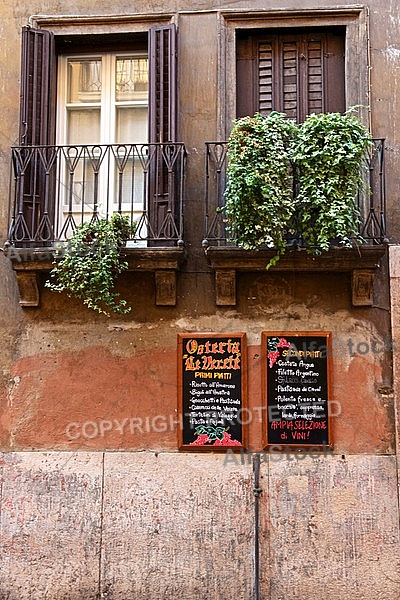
x,y
212,390
297,388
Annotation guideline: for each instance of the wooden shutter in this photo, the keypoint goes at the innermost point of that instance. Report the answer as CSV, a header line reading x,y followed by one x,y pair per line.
x,y
334,69
163,206
266,99
290,82
37,109
162,83
311,67
247,99
34,200
295,73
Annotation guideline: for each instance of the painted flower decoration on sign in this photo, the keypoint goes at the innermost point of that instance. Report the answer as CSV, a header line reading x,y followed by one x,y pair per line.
x,y
216,436
272,348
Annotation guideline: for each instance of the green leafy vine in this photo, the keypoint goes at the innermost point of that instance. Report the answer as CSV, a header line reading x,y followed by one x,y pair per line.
x,y
258,198
88,265
285,179
328,154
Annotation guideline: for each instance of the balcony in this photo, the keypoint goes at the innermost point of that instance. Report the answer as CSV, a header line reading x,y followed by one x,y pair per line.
x,y
55,188
226,258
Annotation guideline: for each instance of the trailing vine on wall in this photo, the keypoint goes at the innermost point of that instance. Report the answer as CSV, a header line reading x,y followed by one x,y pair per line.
x,y
328,153
285,179
258,198
88,265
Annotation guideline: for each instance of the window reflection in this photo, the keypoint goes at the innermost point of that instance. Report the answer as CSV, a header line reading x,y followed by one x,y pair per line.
x,y
131,78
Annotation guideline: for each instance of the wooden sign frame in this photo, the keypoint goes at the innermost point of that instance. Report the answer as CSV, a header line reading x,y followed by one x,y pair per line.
x,y
212,391
297,389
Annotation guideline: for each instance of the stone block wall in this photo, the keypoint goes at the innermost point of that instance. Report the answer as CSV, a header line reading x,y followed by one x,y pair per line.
x,y
145,525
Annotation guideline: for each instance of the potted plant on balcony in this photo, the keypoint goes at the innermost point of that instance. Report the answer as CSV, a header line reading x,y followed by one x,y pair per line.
x,y
88,265
328,154
259,205
295,182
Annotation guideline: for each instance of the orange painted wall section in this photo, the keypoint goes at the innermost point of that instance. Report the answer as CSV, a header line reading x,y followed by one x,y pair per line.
x,y
93,399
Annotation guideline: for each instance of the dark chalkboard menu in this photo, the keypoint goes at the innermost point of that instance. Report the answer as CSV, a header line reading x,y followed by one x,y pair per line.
x,y
212,390
297,388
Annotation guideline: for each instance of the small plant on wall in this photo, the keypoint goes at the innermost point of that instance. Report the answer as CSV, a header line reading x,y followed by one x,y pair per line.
x,y
87,267
328,154
259,202
284,179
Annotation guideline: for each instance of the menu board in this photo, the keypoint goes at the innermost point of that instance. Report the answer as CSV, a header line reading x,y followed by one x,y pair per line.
x,y
297,388
212,390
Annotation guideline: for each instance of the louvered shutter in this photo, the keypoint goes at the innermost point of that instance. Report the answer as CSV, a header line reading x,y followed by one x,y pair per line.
x,y
290,82
162,129
295,73
37,128
301,61
37,88
266,100
162,84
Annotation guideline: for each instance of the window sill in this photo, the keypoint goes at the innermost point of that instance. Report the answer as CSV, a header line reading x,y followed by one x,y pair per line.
x,y
361,262
163,261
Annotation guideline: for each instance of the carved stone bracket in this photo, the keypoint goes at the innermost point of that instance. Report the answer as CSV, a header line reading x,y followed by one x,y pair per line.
x,y
362,284
164,262
165,288
225,287
28,288
361,262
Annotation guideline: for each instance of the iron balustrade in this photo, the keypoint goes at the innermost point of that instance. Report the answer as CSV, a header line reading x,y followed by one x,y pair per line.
x,y
55,188
371,199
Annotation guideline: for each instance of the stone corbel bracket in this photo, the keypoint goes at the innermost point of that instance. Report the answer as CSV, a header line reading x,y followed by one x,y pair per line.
x,y
362,262
164,262
28,263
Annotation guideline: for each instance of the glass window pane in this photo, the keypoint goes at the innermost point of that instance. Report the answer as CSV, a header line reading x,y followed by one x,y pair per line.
x,y
84,126
129,185
131,79
131,125
84,80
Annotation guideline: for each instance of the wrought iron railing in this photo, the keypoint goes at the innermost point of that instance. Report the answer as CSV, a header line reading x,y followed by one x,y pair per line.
x,y
55,188
371,199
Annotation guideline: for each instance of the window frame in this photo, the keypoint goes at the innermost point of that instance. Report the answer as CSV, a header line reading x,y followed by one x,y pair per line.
x,y
356,23
296,72
163,204
76,27
108,104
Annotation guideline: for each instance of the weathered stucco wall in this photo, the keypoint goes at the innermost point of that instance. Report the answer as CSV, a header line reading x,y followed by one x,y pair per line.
x,y
160,525
96,499
121,392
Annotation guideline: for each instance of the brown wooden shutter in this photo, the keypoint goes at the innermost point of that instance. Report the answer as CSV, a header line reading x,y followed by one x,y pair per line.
x,y
35,193
163,208
246,78
289,98
295,73
314,62
334,80
38,68
162,83
265,77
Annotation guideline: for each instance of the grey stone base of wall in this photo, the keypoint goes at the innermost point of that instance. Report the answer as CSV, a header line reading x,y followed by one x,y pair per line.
x,y
147,526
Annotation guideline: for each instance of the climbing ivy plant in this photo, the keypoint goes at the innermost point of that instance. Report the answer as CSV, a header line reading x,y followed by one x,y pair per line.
x,y
259,203
284,178
328,154
88,265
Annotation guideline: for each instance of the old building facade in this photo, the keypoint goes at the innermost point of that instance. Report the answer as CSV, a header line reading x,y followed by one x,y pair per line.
x,y
126,107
